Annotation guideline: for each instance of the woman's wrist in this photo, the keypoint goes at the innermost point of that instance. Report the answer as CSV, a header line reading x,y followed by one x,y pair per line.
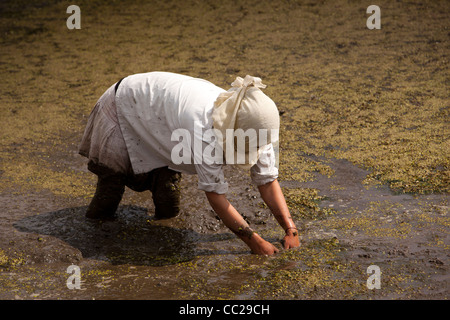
x,y
292,231
254,242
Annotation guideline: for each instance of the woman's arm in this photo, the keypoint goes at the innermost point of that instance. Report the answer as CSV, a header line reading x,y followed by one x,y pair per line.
x,y
234,221
273,196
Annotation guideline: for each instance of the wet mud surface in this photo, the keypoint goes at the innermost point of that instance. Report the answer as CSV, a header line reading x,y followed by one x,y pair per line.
x,y
364,143
194,257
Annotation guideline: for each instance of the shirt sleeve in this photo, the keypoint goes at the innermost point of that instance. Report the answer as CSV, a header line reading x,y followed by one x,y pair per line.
x,y
211,178
210,171
265,170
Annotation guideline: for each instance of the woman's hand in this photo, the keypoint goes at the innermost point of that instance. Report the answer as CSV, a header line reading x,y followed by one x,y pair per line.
x,y
291,239
260,246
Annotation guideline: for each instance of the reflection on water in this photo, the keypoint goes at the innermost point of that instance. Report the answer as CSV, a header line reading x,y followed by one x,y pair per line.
x,y
132,238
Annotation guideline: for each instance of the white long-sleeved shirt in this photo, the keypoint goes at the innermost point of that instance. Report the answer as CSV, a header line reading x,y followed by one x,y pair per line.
x,y
151,106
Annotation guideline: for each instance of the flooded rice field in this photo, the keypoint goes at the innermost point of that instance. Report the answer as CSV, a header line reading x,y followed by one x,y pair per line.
x,y
194,256
364,143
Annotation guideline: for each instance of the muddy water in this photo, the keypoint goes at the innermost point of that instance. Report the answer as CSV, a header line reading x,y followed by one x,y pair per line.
x,y
195,256
375,98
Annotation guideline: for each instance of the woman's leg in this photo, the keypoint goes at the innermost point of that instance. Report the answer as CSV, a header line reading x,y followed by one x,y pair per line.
x,y
165,188
109,192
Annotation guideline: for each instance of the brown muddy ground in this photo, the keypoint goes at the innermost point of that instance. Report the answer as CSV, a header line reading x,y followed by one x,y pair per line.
x,y
364,151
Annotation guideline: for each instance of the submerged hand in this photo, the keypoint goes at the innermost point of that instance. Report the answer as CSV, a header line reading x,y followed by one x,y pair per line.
x,y
291,239
262,247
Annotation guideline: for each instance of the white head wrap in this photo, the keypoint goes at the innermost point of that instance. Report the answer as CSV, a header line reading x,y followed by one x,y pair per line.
x,y
244,106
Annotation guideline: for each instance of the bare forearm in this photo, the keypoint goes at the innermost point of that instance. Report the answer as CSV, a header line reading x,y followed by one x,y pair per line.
x,y
273,196
234,221
229,216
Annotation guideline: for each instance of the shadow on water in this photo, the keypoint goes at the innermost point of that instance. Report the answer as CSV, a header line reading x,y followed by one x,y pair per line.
x,y
131,238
